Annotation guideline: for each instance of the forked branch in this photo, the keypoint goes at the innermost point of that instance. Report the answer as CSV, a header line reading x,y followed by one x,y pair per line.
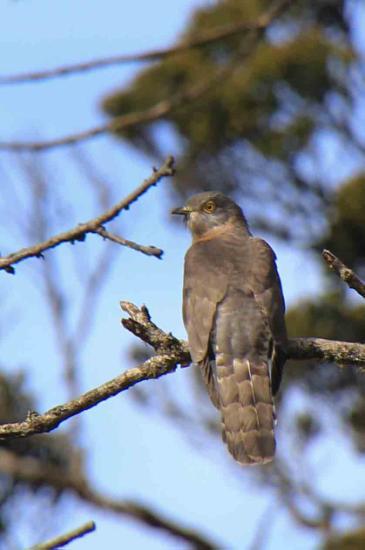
x,y
171,352
96,225
344,272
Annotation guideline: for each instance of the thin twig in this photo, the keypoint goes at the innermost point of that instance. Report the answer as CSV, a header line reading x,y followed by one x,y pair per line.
x,y
210,36
62,540
148,250
344,272
160,109
171,352
79,232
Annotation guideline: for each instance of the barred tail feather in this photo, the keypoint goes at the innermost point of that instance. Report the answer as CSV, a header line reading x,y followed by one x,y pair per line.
x,y
247,408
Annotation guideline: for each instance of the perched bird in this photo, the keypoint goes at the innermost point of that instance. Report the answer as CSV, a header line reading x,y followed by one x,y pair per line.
x,y
233,310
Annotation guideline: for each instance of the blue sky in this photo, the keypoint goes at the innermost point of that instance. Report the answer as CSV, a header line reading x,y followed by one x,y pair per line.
x,y
130,454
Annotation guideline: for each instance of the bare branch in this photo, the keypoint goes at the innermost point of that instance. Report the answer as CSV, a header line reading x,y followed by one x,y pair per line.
x,y
171,352
163,107
156,112
153,368
148,250
208,37
32,470
140,324
62,540
344,272
323,351
79,232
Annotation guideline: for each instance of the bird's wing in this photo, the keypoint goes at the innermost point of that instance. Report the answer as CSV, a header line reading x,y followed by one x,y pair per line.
x,y
205,283
265,283
204,287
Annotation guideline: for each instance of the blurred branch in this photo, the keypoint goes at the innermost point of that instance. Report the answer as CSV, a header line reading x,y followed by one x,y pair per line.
x,y
156,112
264,525
344,272
39,227
100,186
290,489
343,125
32,470
171,352
163,107
62,540
149,517
208,37
79,232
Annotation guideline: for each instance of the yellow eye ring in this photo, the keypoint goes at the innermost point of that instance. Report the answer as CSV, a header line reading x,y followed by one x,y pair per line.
x,y
209,207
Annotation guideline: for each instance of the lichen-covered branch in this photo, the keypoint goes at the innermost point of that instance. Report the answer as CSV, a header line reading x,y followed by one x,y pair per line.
x,y
171,352
323,350
344,272
39,423
95,225
139,323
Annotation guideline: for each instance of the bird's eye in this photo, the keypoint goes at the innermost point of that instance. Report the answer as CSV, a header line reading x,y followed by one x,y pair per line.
x,y
209,207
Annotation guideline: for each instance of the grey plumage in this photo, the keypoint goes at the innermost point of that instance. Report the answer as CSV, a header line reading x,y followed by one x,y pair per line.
x,y
233,311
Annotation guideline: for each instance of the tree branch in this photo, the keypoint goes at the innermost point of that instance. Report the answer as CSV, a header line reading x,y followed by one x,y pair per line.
x,y
33,471
150,518
327,351
210,36
148,250
163,107
156,112
95,225
62,540
39,423
344,272
171,352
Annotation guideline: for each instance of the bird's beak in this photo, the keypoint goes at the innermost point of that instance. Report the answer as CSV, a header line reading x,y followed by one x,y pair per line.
x,y
182,211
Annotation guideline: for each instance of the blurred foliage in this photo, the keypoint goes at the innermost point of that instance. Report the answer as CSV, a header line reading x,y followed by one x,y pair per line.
x,y
55,450
307,426
252,135
346,236
349,541
331,316
260,135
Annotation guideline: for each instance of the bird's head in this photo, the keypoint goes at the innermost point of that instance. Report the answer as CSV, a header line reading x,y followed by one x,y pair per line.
x,y
210,210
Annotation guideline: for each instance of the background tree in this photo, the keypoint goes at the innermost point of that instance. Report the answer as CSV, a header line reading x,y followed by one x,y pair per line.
x,y
262,100
264,134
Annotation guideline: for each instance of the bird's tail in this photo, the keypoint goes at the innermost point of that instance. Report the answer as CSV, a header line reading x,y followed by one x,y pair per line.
x,y
246,403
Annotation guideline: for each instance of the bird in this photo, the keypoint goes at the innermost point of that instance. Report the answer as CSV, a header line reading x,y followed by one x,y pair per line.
x,y
234,315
